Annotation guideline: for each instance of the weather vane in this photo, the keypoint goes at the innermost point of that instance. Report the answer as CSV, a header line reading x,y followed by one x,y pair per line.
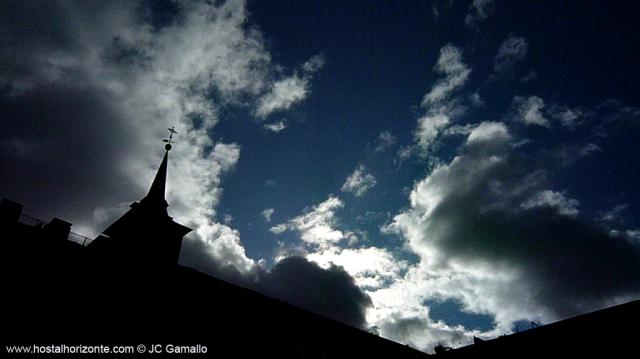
x,y
169,141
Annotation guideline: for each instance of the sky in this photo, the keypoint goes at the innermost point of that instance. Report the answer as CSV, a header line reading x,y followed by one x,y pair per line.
x,y
428,171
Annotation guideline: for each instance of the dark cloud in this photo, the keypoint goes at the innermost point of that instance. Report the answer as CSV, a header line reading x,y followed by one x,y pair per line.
x,y
494,207
330,292
67,136
575,266
61,132
32,28
64,135
87,87
160,13
52,41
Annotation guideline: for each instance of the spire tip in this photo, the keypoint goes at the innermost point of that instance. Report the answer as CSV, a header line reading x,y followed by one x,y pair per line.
x,y
169,140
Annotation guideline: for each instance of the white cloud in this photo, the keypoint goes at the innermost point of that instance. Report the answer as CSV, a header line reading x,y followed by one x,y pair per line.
x,y
513,49
440,108
429,128
314,64
531,76
434,10
276,126
142,78
421,333
359,182
172,88
547,198
371,267
476,99
479,11
529,111
488,132
634,235
589,148
378,271
283,95
568,117
267,213
315,226
456,74
227,219
490,234
614,214
384,141
532,110
226,155
280,228
405,152
398,289
228,250
456,130
400,312
288,91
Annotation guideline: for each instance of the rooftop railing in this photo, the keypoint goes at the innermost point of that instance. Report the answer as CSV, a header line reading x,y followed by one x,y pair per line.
x,y
80,239
38,223
31,221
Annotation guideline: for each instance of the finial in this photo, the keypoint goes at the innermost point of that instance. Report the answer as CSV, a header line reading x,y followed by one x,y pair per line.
x,y
169,141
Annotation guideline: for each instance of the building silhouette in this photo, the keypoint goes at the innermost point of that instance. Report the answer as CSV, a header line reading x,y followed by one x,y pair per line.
x,y
606,333
125,287
146,226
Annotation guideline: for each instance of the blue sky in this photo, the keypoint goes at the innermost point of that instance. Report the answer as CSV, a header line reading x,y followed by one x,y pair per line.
x,y
378,66
469,164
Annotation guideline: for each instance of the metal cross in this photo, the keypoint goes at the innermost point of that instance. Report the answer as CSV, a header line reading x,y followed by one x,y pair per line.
x,y
172,131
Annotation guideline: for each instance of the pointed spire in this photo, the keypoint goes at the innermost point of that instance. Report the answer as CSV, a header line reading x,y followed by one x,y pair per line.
x,y
156,193
149,218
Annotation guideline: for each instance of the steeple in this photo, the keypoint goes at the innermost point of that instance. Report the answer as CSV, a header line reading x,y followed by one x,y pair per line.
x,y
155,196
146,228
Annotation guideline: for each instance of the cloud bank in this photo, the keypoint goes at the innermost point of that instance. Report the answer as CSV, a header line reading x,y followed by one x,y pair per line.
x,y
491,233
89,88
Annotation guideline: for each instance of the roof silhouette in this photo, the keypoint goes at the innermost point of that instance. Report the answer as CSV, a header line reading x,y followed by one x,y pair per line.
x,y
607,333
126,286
